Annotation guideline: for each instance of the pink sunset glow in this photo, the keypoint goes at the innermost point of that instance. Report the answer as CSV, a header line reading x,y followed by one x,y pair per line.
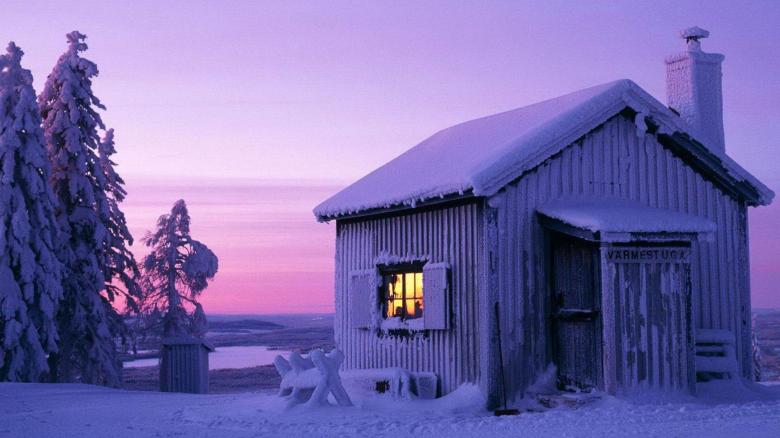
x,y
274,258
254,112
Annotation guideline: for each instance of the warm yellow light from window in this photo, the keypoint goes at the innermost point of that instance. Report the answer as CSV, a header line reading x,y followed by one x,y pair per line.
x,y
397,306
409,286
399,286
405,295
410,308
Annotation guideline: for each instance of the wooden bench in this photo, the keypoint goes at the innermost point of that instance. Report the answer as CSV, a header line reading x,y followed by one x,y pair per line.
x,y
716,357
310,379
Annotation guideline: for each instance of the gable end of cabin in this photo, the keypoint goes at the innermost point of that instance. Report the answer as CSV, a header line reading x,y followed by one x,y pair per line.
x,y
616,161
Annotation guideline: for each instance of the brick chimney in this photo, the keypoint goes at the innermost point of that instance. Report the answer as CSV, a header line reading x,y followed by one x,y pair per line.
x,y
693,89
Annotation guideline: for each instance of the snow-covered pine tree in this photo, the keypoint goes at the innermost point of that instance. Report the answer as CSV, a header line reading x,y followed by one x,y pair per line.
x,y
176,271
120,270
29,269
94,250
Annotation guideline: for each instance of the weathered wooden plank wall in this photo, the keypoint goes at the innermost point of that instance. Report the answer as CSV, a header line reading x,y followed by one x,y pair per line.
x,y
450,234
612,160
652,315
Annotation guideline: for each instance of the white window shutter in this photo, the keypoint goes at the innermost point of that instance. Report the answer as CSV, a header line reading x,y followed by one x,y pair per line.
x,y
362,297
436,296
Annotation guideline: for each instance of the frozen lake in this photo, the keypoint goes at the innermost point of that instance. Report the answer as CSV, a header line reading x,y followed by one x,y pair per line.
x,y
227,357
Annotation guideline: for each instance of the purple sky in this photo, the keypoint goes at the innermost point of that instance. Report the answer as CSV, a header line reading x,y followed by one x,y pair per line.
x,y
273,105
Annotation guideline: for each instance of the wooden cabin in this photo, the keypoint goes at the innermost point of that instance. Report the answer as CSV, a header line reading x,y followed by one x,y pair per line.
x,y
597,231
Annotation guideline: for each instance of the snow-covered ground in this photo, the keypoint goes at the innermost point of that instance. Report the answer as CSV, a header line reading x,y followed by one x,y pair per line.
x,y
40,410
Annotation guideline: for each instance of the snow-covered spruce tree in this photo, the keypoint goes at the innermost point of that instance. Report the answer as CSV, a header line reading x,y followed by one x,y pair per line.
x,y
98,265
29,269
120,271
175,272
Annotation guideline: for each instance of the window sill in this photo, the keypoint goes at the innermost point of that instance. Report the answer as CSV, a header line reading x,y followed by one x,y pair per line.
x,y
416,324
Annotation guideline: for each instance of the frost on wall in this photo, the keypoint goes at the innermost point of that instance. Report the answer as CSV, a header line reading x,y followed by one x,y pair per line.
x,y
694,90
29,270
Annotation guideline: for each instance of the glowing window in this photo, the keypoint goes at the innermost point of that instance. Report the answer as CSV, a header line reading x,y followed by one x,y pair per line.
x,y
403,294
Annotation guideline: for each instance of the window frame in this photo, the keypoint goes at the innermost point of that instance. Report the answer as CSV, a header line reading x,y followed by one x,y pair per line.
x,y
386,272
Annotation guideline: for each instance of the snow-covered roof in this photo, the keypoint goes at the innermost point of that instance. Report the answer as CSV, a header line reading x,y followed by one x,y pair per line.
x,y
483,155
612,216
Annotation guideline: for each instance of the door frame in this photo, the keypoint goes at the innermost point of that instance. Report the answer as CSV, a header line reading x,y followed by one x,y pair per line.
x,y
606,299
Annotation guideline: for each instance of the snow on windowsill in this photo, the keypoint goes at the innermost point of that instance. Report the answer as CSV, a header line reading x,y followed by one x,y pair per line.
x,y
396,323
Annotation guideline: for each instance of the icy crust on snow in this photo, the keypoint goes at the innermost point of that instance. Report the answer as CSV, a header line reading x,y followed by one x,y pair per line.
x,y
68,410
483,155
622,216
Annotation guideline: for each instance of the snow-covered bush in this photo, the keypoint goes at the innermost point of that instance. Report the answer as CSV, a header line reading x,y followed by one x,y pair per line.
x,y
175,272
29,269
99,267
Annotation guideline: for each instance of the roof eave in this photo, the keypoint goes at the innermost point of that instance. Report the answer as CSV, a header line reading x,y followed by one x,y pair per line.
x,y
671,131
400,208
701,158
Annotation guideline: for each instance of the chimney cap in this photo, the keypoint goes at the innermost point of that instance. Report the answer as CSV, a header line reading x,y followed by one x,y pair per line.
x,y
692,35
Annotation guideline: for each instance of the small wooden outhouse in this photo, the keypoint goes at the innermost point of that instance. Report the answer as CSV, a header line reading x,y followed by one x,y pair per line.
x,y
184,365
606,228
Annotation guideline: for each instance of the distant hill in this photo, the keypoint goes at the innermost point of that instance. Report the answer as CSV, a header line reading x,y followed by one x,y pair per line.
x,y
217,325
300,320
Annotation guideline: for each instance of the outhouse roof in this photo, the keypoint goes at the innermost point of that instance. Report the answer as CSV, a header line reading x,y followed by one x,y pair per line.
x,y
187,340
482,156
620,219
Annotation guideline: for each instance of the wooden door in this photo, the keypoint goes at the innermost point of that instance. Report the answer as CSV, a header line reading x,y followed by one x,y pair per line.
x,y
647,311
575,312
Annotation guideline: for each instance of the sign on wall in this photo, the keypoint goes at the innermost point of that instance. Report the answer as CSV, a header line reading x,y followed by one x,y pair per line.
x,y
653,254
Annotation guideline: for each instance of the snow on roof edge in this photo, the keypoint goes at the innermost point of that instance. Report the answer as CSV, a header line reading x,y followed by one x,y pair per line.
x,y
632,96
493,176
555,135
324,214
611,214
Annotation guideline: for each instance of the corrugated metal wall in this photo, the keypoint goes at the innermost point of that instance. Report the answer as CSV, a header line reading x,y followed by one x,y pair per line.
x,y
452,235
613,160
